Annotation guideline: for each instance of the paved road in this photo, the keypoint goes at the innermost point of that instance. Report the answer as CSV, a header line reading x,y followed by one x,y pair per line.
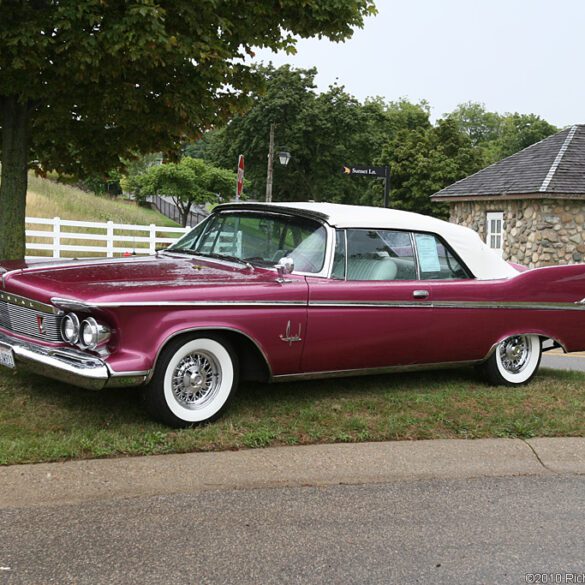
x,y
561,361
488,530
484,511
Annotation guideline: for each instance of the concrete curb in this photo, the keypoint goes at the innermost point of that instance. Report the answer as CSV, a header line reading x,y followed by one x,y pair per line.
x,y
317,465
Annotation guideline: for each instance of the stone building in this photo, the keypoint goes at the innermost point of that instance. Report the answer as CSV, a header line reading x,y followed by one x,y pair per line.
x,y
529,206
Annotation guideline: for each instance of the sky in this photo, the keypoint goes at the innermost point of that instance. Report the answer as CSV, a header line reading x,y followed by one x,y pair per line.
x,y
511,55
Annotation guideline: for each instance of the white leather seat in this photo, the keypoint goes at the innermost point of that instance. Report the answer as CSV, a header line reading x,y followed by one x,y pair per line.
x,y
365,269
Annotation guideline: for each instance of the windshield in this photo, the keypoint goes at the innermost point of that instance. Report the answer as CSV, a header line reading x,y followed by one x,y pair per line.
x,y
258,238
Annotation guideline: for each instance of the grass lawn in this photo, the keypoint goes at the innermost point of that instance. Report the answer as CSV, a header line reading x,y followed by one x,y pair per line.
x,y
42,420
47,198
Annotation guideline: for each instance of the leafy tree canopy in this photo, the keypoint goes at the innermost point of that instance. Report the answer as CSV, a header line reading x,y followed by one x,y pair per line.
x,y
85,84
189,182
499,135
321,131
427,159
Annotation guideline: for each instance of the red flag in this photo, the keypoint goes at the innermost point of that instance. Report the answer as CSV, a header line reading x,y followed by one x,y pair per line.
x,y
240,186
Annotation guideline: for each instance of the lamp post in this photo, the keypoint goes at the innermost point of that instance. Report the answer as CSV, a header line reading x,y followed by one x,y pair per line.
x,y
283,157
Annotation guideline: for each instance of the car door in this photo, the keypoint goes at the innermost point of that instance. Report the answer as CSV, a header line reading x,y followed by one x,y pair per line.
x,y
460,328
373,312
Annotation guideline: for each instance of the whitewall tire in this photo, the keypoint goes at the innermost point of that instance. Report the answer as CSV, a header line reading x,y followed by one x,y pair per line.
x,y
194,380
514,361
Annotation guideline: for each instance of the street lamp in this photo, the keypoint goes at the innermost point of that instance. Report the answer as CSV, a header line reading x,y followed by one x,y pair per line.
x,y
283,157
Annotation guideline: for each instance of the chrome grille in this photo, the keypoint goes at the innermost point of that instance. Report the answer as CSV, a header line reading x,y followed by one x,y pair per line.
x,y
22,316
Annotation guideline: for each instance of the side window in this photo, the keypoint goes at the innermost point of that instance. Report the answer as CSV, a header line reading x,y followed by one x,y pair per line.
x,y
435,259
380,255
495,231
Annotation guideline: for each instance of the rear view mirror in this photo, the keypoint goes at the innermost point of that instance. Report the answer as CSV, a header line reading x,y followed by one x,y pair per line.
x,y
285,266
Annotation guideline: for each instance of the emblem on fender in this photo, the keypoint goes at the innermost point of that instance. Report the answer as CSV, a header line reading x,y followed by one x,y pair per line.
x,y
288,338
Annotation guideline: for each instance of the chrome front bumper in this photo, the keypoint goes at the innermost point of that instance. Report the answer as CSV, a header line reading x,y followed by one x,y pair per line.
x,y
67,365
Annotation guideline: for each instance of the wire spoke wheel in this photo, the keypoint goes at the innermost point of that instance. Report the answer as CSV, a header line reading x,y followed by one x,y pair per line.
x,y
514,361
515,353
193,381
196,380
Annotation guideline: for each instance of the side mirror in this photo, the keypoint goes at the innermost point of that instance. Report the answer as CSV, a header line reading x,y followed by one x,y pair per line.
x,y
285,266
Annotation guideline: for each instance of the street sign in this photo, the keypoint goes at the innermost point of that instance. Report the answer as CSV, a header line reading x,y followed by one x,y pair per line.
x,y
374,172
363,171
240,184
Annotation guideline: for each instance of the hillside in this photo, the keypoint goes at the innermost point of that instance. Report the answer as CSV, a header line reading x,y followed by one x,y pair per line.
x,y
47,198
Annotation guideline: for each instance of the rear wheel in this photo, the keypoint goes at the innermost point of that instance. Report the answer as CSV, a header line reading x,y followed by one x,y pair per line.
x,y
193,381
514,361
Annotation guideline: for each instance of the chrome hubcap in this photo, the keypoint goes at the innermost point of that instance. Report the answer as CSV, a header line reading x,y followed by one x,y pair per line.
x,y
514,353
196,380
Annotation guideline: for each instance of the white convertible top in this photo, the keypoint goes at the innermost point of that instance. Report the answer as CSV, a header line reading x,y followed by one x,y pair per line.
x,y
483,262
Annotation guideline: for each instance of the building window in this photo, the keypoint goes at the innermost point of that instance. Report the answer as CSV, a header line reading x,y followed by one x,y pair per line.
x,y
495,231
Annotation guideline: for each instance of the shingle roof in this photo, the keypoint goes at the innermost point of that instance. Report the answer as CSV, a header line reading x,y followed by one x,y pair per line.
x,y
553,166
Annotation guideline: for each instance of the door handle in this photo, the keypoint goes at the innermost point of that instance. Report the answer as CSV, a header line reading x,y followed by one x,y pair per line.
x,y
420,294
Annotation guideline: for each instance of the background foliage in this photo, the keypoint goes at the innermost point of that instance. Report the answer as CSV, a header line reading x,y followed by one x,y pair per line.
x,y
87,84
324,131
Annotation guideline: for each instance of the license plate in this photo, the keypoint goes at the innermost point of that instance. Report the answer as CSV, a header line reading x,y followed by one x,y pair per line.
x,y
6,357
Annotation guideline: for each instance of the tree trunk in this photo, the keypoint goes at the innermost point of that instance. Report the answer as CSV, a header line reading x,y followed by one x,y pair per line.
x,y
184,208
14,179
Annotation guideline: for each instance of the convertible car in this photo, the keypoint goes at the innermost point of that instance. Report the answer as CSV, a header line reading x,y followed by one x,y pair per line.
x,y
271,292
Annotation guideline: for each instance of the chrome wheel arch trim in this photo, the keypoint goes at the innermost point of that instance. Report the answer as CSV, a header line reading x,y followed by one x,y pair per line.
x,y
524,333
210,329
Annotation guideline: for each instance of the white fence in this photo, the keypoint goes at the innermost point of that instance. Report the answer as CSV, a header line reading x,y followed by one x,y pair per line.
x,y
55,236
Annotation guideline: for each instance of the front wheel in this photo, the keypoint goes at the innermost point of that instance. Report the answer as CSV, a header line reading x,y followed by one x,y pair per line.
x,y
514,361
193,381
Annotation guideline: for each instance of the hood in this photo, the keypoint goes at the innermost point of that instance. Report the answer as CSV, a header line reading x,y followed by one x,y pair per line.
x,y
149,278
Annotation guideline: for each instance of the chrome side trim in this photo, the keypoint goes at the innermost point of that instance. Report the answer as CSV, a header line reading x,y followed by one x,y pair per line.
x,y
553,306
126,379
373,371
115,374
13,299
372,304
75,305
524,305
197,304
72,304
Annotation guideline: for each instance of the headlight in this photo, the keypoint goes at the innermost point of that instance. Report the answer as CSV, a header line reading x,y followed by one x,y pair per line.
x,y
93,333
70,328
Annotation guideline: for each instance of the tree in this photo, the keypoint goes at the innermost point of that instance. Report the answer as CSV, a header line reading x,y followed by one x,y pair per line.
x,y
425,160
189,182
85,84
477,123
499,135
520,131
322,131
